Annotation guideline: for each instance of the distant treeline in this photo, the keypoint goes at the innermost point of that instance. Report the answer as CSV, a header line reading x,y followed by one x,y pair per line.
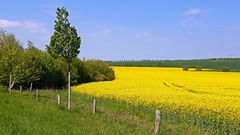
x,y
30,65
214,63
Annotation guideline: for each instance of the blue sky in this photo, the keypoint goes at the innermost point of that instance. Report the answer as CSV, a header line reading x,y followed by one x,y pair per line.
x,y
133,29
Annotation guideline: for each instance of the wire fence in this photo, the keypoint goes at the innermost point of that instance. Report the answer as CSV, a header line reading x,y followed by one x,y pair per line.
x,y
205,124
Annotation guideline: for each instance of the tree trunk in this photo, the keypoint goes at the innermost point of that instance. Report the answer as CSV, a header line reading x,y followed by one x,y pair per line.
x,y
69,87
10,83
31,86
21,89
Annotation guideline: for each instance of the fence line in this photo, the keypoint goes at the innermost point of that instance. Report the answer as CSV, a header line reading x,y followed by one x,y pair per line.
x,y
216,127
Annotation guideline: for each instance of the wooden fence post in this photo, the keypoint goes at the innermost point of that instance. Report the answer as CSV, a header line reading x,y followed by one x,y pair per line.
x,y
20,89
37,94
31,86
94,106
58,100
157,121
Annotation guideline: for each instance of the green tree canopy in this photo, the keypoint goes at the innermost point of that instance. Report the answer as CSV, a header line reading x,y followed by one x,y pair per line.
x,y
30,68
65,41
11,53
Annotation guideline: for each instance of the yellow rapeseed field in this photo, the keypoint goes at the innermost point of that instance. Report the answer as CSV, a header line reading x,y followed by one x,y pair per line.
x,y
215,95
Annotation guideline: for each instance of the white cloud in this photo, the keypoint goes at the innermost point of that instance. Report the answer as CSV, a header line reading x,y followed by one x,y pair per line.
x,y
142,35
6,23
106,31
190,22
195,11
190,18
233,26
32,26
100,34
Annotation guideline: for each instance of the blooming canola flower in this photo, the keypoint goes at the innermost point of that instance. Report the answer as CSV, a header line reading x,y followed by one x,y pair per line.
x,y
215,95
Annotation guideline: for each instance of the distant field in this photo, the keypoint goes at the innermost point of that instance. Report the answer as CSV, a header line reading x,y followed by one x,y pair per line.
x,y
210,99
216,64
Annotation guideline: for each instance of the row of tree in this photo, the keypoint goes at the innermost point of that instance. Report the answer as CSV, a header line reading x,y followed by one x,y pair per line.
x,y
48,70
19,66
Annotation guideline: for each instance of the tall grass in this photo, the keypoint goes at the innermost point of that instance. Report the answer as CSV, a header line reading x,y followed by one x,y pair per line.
x,y
24,115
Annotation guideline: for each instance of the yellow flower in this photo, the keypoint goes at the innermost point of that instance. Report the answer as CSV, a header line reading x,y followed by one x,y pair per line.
x,y
215,95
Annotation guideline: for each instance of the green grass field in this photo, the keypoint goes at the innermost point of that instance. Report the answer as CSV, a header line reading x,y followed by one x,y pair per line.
x,y
216,64
24,115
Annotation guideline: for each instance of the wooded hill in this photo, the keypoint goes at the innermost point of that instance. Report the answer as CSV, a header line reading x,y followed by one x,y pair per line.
x,y
215,63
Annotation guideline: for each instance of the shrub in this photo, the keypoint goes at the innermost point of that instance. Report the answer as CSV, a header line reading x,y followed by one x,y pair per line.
x,y
198,68
225,69
185,68
80,72
99,71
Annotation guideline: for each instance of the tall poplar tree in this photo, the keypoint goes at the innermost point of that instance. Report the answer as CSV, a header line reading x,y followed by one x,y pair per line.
x,y
64,42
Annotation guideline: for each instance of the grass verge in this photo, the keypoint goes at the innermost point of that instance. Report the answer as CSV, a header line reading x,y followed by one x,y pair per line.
x,y
24,115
